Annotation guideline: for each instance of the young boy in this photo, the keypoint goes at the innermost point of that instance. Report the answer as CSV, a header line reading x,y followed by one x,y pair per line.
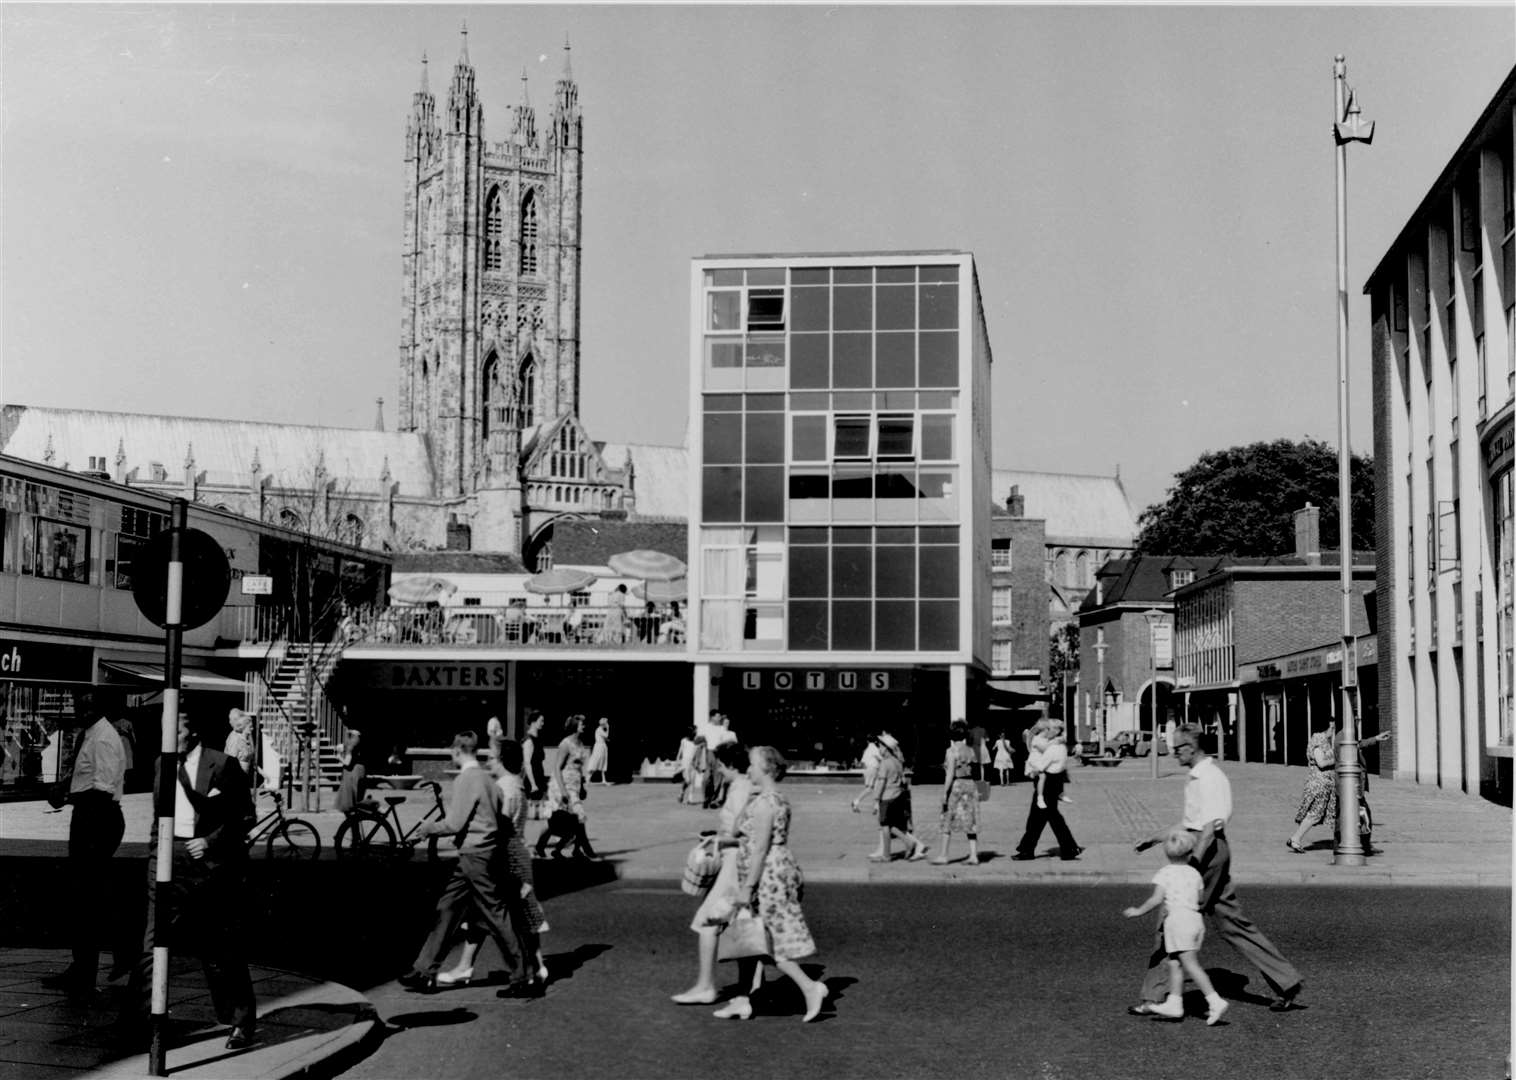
x,y
1177,888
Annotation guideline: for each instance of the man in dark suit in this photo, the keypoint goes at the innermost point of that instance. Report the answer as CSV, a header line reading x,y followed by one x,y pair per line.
x,y
212,815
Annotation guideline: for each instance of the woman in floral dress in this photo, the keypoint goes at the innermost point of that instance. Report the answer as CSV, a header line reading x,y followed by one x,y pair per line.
x,y
565,789
771,886
1318,802
960,795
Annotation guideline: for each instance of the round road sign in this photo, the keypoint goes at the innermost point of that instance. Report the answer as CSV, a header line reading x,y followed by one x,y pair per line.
x,y
207,576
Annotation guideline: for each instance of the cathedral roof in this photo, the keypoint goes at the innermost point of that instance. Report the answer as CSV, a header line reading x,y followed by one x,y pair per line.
x,y
1085,510
660,477
458,562
223,450
591,543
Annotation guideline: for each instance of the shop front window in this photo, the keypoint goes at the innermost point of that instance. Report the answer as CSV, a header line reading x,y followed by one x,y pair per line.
x,y
1505,544
62,551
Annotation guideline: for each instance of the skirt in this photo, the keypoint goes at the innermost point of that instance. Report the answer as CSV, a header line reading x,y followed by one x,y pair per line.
x,y
962,811
716,909
1318,802
522,886
1183,931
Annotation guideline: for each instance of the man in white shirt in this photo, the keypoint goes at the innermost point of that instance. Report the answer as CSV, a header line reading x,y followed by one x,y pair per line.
x,y
94,791
1208,801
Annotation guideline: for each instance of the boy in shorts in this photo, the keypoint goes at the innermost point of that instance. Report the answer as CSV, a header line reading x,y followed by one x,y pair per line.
x,y
1177,887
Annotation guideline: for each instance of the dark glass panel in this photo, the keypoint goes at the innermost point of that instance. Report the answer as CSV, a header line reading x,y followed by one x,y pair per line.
x,y
721,493
725,277
808,536
939,307
765,494
939,625
723,403
895,273
852,437
808,625
810,309
765,275
895,307
897,437
810,401
939,571
852,483
939,399
895,534
852,534
764,443
765,309
853,309
764,402
939,273
810,275
895,360
939,534
853,275
852,571
852,360
809,366
722,444
724,353
895,625
852,399
937,437
852,625
895,571
809,441
895,483
939,359
804,485
895,400
809,571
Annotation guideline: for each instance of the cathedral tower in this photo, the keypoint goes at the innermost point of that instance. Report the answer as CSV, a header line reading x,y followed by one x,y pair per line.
x,y
489,346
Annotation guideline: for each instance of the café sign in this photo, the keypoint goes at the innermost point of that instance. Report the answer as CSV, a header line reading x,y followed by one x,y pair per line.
x,y
444,675
823,680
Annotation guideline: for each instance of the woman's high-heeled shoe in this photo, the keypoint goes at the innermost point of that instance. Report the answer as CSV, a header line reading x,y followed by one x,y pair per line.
x,y
736,1009
1296,848
690,997
813,1002
459,976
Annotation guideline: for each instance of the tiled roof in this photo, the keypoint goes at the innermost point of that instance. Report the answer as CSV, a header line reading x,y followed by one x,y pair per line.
x,y
458,562
223,449
1077,508
660,478
1144,578
591,543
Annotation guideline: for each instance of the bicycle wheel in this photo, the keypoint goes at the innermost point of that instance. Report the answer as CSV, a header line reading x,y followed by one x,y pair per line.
x,y
365,836
294,839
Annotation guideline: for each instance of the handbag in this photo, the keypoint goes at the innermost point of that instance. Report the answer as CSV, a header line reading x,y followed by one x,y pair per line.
x,y
744,936
983,787
701,867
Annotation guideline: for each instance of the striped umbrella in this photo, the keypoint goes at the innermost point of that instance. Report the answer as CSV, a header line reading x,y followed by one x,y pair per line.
x,y
560,579
421,590
647,565
661,592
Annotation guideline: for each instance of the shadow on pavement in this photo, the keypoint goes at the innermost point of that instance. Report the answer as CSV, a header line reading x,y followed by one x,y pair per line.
x,y
561,966
406,1021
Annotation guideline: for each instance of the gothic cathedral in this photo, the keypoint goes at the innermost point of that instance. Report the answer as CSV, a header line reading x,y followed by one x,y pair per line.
x,y
489,347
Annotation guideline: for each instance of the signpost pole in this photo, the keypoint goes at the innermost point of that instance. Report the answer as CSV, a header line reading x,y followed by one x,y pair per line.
x,y
168,767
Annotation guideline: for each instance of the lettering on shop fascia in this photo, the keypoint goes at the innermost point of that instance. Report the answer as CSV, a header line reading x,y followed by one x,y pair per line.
x,y
446,677
1497,448
39,662
845,680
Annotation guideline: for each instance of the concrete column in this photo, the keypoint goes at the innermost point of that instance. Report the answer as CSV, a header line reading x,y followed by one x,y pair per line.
x,y
958,692
704,697
512,703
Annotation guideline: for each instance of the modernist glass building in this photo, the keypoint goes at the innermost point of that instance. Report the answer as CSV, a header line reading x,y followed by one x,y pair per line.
x,y
840,493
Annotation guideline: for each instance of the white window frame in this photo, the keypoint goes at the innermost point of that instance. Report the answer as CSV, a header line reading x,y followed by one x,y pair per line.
x,y
997,616
995,550
997,648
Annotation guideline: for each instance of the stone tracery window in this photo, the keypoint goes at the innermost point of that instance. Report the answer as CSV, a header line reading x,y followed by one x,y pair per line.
x,y
526,391
528,237
494,219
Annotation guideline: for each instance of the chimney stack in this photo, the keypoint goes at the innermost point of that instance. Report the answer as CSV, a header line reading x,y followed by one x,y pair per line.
x,y
1308,534
1015,502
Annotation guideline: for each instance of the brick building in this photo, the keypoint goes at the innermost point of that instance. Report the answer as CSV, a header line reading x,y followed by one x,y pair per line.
x,y
1443,302
1018,597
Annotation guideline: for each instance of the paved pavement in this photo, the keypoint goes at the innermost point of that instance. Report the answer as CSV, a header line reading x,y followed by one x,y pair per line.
x,y
305,1027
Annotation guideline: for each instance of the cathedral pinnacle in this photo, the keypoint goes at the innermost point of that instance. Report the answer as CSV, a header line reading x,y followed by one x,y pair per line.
x,y
425,88
379,419
463,48
526,101
568,67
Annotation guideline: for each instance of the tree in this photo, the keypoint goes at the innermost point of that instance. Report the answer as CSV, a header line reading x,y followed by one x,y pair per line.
x,y
1242,501
1063,661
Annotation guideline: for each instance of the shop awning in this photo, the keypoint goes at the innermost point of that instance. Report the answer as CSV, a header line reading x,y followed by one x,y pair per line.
x,y
189,678
1000,695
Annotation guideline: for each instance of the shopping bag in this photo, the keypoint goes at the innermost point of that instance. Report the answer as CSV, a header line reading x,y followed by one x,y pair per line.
x,y
983,787
701,867
744,936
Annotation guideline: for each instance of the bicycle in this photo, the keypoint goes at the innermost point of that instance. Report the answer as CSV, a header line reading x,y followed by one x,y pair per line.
x,y
367,832
288,837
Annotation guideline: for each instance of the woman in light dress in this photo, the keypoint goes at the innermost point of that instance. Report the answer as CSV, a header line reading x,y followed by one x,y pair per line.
x,y
1004,761
960,795
566,791
771,886
716,909
600,757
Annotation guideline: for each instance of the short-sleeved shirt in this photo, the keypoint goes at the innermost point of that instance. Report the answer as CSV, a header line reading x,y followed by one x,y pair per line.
x,y
1207,795
1055,759
1181,884
889,774
100,764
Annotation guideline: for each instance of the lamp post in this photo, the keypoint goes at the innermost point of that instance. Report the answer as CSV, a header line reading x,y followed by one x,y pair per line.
x,y
1100,647
1155,618
1347,126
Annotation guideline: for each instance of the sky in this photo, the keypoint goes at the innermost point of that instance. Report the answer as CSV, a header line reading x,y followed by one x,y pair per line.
x,y
200,206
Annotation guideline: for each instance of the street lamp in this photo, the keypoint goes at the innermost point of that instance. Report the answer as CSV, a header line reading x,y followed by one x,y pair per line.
x,y
1155,618
1100,647
1347,126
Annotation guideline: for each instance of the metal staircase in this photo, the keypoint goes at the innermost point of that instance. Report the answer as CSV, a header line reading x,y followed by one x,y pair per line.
x,y
295,693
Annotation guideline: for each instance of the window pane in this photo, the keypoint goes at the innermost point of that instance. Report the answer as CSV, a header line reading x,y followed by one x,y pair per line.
x,y
809,485
723,403
764,403
808,624
937,437
895,571
939,307
897,436
809,442
723,439
939,359
809,366
724,311
765,309
765,351
853,275
939,494
939,571
896,307
62,551
938,534
852,572
853,482
853,309
895,624
810,309
895,273
853,534
895,360
765,493
939,625
765,438
810,401
721,493
895,400
852,362
852,625
939,273
851,400
765,275
808,571
723,352
723,277
808,536
852,437
895,493
896,535
814,275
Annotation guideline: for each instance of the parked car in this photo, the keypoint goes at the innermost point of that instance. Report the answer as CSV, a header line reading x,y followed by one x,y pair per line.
x,y
1122,744
1144,745
1087,748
